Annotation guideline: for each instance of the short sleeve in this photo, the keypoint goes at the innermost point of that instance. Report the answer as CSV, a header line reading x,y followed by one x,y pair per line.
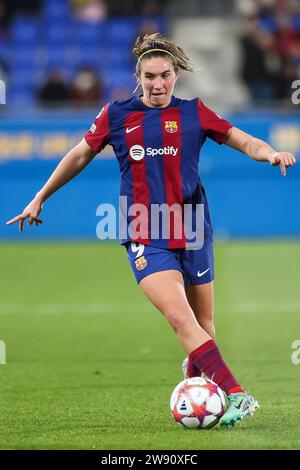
x,y
98,135
214,125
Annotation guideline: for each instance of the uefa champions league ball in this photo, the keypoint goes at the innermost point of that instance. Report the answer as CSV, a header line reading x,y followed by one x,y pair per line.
x,y
197,403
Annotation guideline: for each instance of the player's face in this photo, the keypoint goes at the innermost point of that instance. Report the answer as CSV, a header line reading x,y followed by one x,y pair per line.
x,y
158,79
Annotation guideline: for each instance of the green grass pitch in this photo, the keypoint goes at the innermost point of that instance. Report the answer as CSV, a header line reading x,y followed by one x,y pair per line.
x,y
91,364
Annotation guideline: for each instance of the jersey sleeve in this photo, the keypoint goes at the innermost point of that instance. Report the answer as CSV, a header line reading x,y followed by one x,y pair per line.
x,y
98,135
214,125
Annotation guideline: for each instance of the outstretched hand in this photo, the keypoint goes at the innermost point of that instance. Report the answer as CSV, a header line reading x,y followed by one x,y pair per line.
x,y
31,213
284,159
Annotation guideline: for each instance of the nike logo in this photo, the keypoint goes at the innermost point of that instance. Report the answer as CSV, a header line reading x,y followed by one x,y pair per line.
x,y
202,274
128,130
239,405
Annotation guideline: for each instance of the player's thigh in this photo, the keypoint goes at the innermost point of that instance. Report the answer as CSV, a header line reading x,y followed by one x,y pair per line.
x,y
201,300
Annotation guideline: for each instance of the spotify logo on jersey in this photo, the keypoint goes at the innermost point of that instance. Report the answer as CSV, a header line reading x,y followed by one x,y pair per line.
x,y
137,152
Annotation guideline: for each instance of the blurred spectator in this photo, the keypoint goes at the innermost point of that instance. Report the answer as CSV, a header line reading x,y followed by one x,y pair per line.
x,y
55,91
254,71
286,37
270,47
91,11
87,88
282,86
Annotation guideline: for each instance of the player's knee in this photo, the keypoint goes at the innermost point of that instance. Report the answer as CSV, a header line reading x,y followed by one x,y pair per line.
x,y
177,319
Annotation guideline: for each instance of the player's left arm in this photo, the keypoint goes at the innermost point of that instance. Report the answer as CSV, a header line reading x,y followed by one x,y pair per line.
x,y
258,150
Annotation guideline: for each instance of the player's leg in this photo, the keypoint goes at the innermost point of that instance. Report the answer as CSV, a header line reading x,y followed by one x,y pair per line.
x,y
166,291
198,271
159,274
201,300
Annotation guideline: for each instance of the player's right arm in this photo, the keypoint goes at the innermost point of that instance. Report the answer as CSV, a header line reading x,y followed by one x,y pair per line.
x,y
72,164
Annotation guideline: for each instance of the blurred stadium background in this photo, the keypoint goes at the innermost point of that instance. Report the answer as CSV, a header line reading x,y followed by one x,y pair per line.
x,y
62,59
76,327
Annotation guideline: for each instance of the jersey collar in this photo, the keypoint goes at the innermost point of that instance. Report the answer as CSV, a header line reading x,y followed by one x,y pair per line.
x,y
140,105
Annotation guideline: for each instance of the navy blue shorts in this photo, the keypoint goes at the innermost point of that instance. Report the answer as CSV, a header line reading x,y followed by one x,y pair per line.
x,y
196,266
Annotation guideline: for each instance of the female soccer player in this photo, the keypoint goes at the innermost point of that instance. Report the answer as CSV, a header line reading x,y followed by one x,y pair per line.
x,y
157,140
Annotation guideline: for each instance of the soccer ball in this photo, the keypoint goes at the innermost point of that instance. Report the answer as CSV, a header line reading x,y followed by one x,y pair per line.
x,y
197,403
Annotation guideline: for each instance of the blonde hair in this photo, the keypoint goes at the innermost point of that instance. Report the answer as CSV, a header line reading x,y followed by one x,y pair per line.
x,y
155,45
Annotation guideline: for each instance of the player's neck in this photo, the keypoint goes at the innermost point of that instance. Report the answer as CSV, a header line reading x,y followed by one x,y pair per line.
x,y
150,105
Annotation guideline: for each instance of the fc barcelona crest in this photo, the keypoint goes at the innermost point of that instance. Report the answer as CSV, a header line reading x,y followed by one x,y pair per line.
x,y
171,126
141,263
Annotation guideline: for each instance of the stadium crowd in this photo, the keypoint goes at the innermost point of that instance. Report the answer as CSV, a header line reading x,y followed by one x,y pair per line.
x,y
72,51
270,46
68,51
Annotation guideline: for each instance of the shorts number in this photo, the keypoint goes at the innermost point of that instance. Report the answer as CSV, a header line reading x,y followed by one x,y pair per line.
x,y
137,248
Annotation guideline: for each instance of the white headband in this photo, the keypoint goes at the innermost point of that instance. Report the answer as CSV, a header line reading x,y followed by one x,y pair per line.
x,y
156,50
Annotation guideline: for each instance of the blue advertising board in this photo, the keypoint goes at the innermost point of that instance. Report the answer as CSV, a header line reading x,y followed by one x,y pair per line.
x,y
247,199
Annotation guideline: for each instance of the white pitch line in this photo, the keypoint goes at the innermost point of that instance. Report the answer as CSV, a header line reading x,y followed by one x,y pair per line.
x,y
76,308
112,308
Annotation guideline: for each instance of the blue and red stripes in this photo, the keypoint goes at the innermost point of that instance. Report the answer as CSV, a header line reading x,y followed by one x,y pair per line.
x,y
173,178
145,174
140,187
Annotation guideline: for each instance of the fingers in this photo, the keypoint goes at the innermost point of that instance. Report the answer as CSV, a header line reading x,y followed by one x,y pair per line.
x,y
292,159
31,219
288,160
15,219
21,219
284,159
30,222
34,220
31,212
283,168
